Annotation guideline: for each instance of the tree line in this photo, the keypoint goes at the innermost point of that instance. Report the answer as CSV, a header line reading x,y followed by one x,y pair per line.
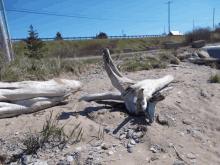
x,y
35,45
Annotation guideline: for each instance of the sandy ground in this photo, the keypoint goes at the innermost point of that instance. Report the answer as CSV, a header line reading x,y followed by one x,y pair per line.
x,y
192,110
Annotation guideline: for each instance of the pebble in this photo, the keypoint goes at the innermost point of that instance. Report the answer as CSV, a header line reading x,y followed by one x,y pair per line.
x,y
97,143
190,156
40,163
129,134
122,136
132,142
69,158
170,145
105,147
62,162
130,145
153,150
176,68
78,148
129,150
107,129
161,119
110,153
179,163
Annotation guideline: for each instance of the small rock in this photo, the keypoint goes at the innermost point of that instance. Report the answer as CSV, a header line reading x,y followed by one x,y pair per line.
x,y
137,140
170,145
107,129
129,134
178,163
62,162
105,147
203,54
161,119
122,136
195,55
136,135
78,148
90,157
176,68
26,159
190,156
129,150
69,158
16,133
187,122
40,163
153,150
132,142
110,153
97,143
182,134
130,145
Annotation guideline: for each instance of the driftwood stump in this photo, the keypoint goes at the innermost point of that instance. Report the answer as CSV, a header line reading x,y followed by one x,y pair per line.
x,y
138,96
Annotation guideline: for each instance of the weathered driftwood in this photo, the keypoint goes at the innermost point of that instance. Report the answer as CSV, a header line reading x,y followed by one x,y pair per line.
x,y
30,96
138,96
203,60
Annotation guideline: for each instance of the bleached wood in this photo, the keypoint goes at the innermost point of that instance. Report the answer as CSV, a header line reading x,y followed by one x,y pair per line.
x,y
138,96
31,96
102,96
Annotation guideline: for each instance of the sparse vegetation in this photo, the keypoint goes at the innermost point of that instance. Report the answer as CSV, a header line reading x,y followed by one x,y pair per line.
x,y
215,79
51,133
101,133
174,61
138,64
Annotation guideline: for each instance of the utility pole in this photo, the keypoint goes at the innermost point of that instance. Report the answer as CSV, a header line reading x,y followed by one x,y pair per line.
x,y
164,29
213,24
5,49
8,34
193,26
213,17
169,17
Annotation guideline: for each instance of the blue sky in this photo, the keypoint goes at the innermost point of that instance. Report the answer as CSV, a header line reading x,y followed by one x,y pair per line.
x,y
135,17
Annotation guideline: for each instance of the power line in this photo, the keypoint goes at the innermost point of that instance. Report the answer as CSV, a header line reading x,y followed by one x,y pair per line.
x,y
74,16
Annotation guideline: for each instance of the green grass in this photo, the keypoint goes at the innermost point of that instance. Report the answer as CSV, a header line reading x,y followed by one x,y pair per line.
x,y
138,64
174,61
53,64
51,132
215,79
78,48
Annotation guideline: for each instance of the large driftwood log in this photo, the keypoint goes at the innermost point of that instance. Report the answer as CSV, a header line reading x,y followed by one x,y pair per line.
x,y
31,96
138,96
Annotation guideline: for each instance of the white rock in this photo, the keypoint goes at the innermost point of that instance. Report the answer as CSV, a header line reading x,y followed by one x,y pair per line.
x,y
122,136
110,153
78,148
69,158
132,142
153,150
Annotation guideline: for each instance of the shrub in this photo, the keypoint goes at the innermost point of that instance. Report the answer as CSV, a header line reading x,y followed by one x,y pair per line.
x,y
58,36
198,34
174,61
215,79
101,35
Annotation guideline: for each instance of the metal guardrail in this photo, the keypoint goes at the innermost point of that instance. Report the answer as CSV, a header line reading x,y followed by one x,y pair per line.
x,y
90,38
